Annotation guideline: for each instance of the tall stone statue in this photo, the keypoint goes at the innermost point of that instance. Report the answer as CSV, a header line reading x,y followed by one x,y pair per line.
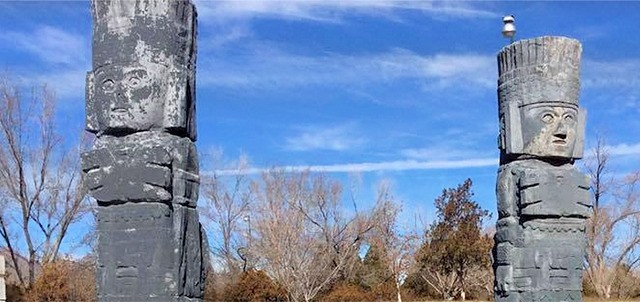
x,y
143,168
543,201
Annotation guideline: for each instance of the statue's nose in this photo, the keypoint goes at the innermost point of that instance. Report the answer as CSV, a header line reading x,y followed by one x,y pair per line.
x,y
561,130
119,99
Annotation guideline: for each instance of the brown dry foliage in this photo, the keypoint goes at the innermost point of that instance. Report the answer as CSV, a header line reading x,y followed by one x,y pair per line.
x,y
211,288
14,293
348,293
386,291
63,281
253,286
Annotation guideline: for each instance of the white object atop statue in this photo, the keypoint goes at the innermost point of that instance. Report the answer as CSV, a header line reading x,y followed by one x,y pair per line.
x,y
509,28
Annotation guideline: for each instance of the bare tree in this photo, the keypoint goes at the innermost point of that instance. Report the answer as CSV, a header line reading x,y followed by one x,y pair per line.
x,y
399,246
227,203
613,231
40,186
302,234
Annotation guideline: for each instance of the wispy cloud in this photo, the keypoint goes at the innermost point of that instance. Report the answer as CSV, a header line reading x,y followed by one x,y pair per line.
x,y
611,74
60,59
401,165
442,153
50,44
224,35
335,138
409,164
269,68
616,82
67,83
624,149
332,10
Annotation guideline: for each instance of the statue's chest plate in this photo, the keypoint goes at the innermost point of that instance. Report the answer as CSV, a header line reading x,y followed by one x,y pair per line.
x,y
553,192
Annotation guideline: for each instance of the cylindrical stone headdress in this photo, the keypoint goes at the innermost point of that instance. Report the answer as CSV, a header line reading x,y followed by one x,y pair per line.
x,y
540,70
543,70
147,33
162,31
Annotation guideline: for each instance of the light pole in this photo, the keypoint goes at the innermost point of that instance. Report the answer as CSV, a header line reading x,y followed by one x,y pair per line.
x,y
247,218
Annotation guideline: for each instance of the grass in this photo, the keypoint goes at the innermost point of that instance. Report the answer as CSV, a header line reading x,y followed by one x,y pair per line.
x,y
585,299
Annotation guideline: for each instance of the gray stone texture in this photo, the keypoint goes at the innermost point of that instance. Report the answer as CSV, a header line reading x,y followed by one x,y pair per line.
x,y
143,75
543,201
143,167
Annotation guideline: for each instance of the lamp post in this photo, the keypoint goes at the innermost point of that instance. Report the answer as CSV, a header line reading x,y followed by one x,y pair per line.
x,y
247,218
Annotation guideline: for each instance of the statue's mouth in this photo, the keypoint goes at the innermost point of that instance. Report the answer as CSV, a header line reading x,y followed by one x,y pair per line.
x,y
119,110
560,142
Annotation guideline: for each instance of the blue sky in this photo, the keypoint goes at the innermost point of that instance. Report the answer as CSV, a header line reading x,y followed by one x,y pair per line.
x,y
397,90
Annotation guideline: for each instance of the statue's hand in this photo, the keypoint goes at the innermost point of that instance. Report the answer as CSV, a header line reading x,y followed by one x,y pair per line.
x,y
128,174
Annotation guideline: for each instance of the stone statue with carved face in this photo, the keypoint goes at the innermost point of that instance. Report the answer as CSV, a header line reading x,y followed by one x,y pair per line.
x,y
543,201
143,168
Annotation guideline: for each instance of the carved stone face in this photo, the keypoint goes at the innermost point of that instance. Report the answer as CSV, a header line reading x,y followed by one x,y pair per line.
x,y
549,131
131,97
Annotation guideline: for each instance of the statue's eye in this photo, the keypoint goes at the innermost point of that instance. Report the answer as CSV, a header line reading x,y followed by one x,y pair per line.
x,y
547,118
569,118
134,81
108,85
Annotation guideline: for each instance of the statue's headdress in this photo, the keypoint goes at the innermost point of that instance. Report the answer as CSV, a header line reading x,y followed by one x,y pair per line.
x,y
163,31
540,70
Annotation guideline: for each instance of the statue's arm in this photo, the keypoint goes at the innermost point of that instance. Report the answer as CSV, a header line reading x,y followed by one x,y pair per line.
x,y
506,193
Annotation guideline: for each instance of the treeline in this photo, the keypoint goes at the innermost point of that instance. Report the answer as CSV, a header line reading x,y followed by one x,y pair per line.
x,y
283,235
292,239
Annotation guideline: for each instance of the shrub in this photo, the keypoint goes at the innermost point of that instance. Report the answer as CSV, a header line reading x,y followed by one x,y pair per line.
x,y
254,286
348,293
63,281
385,291
52,285
15,293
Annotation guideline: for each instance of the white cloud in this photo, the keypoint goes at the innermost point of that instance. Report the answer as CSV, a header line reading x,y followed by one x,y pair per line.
x,y
224,35
50,44
332,10
66,56
268,68
401,165
337,138
67,83
441,153
611,74
624,149
615,82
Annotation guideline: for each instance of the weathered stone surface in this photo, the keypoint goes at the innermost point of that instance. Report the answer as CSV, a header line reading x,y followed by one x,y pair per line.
x,y
543,201
143,168
143,76
149,252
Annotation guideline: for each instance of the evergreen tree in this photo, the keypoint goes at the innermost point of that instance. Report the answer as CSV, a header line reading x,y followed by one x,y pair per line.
x,y
454,245
373,270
